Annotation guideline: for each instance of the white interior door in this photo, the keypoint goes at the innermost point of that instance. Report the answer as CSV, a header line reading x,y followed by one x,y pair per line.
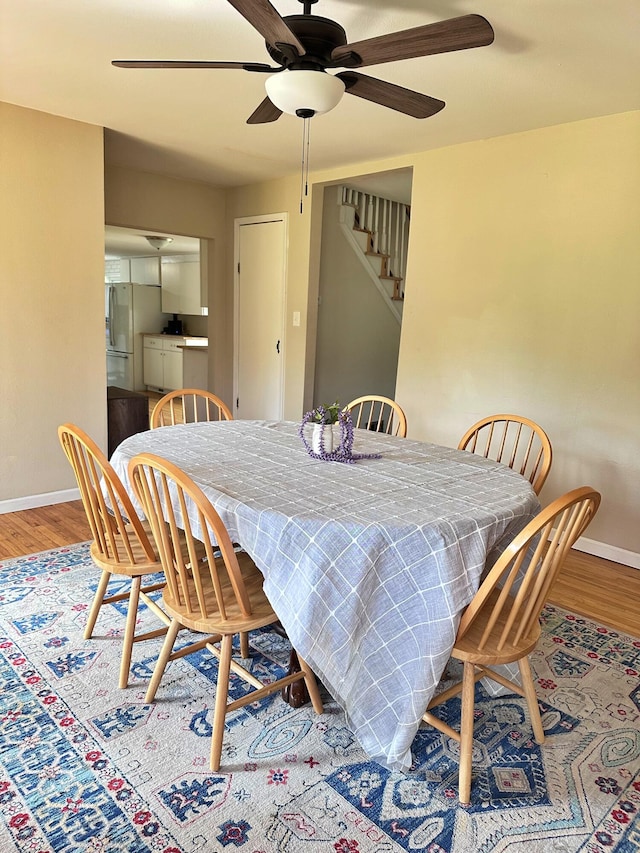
x,y
260,244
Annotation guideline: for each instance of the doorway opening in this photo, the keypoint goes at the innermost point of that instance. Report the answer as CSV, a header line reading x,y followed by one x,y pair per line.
x,y
361,286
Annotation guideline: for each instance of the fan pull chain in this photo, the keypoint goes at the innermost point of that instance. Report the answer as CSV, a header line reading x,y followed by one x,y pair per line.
x,y
304,173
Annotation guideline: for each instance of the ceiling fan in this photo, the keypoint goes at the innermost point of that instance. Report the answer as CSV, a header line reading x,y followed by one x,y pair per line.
x,y
306,46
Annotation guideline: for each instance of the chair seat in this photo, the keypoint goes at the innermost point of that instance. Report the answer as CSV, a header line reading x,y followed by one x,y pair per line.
x,y
262,611
492,654
120,563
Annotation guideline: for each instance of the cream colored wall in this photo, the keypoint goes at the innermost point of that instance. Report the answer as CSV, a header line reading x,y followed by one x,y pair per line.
x,y
522,294
154,202
52,318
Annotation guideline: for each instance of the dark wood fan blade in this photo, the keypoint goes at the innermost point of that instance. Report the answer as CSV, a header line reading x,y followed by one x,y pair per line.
x,y
171,63
389,95
268,22
264,113
454,34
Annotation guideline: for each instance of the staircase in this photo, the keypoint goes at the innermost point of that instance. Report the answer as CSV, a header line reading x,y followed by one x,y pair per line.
x,y
378,230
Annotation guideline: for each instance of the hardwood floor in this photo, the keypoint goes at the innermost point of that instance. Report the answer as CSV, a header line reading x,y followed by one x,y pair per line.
x,y
606,592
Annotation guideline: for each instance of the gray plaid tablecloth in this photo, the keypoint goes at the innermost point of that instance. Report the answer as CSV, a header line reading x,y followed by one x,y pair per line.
x,y
367,565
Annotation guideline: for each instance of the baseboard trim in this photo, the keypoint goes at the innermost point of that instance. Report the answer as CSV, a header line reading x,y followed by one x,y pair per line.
x,y
608,552
35,501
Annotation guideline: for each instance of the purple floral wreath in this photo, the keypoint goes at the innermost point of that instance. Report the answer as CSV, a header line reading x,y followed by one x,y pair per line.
x,y
343,452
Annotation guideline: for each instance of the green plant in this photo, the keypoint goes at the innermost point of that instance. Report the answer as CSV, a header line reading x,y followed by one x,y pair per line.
x,y
326,414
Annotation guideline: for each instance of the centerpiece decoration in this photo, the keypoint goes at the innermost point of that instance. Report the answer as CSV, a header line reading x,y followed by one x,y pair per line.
x,y
321,434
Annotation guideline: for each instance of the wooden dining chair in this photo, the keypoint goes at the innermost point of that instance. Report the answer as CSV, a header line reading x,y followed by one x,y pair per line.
x,y
380,414
501,624
515,441
121,541
189,405
221,595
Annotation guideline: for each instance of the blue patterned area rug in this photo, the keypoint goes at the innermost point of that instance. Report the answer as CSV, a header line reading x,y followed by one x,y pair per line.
x,y
88,767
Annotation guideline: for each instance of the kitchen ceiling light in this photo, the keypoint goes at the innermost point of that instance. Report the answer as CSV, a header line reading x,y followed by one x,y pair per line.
x,y
158,242
304,93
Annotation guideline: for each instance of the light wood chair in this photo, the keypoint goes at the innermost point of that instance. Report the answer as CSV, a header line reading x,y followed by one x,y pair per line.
x,y
380,414
220,596
501,624
121,541
188,405
515,441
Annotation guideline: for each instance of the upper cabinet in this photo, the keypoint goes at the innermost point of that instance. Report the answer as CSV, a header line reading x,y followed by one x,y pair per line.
x,y
145,270
182,285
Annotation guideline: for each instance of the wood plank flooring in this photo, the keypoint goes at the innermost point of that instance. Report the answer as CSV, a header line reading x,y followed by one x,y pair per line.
x,y
607,592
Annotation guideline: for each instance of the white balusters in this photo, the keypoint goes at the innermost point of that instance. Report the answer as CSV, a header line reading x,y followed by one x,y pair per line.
x,y
388,223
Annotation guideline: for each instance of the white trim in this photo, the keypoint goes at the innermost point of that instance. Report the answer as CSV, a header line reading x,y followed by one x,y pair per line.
x,y
34,501
608,552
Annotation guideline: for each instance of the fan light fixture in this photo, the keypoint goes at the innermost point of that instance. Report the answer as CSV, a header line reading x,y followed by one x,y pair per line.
x,y
304,93
158,242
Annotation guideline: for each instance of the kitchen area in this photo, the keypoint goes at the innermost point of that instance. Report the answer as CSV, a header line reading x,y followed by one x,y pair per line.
x,y
155,322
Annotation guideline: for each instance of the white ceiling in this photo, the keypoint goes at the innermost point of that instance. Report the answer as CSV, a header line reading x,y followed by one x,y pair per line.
x,y
131,243
552,61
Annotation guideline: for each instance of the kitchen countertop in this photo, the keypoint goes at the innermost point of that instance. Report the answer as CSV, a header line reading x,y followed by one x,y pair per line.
x,y
189,340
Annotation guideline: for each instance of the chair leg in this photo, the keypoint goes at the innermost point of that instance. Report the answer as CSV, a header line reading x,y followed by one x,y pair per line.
x,y
129,631
220,709
466,733
532,699
163,659
96,604
244,644
312,686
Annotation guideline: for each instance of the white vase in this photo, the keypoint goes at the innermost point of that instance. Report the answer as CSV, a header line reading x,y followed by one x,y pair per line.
x,y
324,433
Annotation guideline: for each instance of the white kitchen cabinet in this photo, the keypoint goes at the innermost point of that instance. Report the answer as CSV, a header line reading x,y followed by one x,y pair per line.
x,y
164,365
145,270
163,362
173,363
153,363
182,291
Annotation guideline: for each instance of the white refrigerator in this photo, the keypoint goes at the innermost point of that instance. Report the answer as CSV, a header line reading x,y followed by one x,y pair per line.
x,y
130,311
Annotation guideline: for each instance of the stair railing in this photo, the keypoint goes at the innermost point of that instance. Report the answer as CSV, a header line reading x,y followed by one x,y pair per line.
x,y
387,221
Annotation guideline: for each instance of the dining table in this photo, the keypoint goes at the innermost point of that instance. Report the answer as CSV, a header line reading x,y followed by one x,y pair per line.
x,y
368,564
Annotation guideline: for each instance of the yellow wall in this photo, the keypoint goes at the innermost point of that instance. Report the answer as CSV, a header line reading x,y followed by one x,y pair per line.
x,y
525,297
523,294
159,203
51,276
